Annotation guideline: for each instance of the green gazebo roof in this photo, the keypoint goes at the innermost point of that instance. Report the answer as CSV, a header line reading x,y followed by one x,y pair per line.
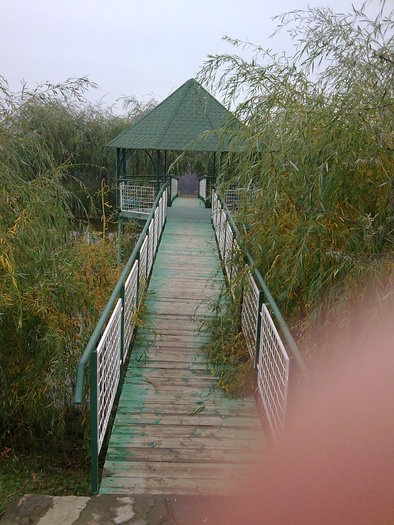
x,y
179,122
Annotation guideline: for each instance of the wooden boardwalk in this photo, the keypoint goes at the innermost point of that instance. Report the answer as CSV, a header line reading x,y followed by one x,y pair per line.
x,y
175,432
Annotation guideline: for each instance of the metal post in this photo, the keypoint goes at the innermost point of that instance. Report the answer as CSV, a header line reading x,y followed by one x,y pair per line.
x,y
124,162
165,171
120,254
157,171
258,328
224,246
137,292
131,153
147,259
117,178
93,423
242,293
214,167
120,384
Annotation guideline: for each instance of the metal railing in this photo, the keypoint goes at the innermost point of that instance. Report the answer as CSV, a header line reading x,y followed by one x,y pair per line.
x,y
202,188
232,195
109,345
130,305
231,198
136,196
264,338
205,190
174,188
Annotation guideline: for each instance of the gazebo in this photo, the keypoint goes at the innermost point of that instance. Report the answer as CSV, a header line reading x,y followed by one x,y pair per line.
x,y
190,119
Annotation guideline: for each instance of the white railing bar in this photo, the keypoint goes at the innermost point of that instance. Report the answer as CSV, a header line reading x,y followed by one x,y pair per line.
x,y
108,368
272,375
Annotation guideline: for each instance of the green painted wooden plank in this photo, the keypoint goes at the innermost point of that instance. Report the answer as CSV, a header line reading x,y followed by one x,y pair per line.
x,y
170,411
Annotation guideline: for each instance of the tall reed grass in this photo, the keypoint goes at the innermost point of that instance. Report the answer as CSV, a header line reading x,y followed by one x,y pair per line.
x,y
317,164
53,285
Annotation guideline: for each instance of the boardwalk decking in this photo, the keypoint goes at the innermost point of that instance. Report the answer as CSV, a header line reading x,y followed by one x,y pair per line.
x,y
175,432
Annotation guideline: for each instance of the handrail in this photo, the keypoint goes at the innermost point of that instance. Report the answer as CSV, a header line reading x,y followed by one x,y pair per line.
x,y
90,347
296,354
138,179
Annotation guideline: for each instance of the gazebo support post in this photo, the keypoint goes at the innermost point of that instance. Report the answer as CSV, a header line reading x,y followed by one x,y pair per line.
x,y
118,203
214,167
165,174
131,153
157,171
124,162
117,179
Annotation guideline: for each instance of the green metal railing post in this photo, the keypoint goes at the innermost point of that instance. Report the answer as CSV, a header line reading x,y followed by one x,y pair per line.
x,y
122,349
241,296
147,259
258,329
153,244
120,253
93,423
137,292
225,246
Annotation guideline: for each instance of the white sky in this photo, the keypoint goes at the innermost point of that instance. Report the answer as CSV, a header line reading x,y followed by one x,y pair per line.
x,y
132,47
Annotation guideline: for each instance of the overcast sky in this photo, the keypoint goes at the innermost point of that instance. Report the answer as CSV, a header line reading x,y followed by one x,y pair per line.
x,y
131,47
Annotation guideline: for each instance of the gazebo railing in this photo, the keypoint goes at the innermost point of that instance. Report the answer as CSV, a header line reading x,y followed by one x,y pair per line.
x,y
272,349
110,343
137,196
174,188
205,190
202,188
231,197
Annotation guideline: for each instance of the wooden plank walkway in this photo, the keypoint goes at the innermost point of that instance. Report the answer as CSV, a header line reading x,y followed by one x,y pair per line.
x,y
175,432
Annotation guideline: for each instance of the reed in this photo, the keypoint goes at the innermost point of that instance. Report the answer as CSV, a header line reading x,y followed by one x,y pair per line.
x,y
316,164
53,284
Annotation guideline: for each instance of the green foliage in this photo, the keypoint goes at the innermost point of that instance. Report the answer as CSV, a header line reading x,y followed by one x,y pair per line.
x,y
227,354
53,283
190,162
59,120
41,472
318,157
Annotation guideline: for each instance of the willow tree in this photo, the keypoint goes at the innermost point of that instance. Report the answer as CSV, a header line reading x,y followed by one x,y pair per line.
x,y
318,153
